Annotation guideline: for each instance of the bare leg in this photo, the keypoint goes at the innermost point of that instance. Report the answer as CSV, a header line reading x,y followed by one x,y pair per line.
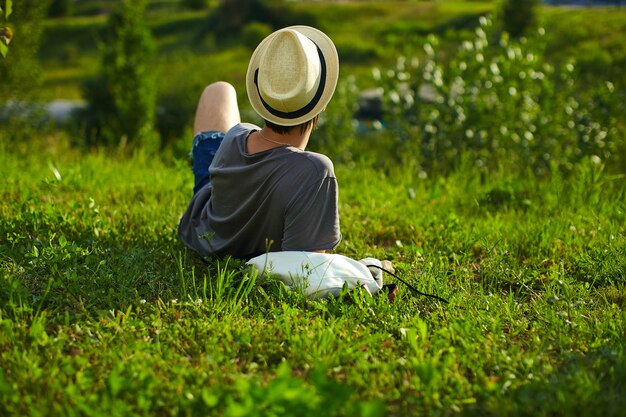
x,y
217,109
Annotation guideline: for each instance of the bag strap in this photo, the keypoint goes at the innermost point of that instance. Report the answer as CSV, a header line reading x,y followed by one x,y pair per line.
x,y
415,290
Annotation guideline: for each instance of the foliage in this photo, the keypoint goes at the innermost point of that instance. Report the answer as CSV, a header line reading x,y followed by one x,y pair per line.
x,y
497,103
233,16
594,37
518,16
254,33
122,98
20,70
59,8
6,34
196,4
335,133
21,117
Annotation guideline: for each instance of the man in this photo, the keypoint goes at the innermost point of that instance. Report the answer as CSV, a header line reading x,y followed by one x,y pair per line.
x,y
258,189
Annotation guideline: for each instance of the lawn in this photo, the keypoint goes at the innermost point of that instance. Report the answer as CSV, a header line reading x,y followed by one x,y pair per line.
x,y
104,311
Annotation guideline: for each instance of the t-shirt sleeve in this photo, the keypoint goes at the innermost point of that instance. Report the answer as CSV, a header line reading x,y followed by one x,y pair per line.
x,y
312,219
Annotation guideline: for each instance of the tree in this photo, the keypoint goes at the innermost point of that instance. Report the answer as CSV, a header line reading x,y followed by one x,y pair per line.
x,y
122,98
195,4
59,8
517,16
5,32
233,16
20,71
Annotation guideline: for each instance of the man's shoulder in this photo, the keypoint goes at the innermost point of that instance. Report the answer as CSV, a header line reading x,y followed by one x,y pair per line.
x,y
241,129
314,161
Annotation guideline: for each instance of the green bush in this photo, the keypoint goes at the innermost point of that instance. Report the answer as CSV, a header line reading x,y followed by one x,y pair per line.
x,y
20,71
518,16
233,16
179,91
498,104
60,8
195,4
122,98
335,132
254,32
21,117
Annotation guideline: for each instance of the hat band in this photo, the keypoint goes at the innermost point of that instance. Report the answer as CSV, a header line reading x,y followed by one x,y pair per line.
x,y
304,110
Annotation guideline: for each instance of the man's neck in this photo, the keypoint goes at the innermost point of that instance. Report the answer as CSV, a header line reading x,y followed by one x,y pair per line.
x,y
293,138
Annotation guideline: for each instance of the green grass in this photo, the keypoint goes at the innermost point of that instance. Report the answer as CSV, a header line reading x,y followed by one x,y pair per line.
x,y
104,312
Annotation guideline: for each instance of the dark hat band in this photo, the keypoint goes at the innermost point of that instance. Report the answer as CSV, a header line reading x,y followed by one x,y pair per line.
x,y
304,110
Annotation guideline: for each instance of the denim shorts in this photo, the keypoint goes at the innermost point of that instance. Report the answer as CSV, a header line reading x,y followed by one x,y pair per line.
x,y
205,145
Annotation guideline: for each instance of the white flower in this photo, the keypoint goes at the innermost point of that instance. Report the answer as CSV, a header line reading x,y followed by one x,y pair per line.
x,y
610,86
400,63
429,49
409,100
510,53
494,68
403,76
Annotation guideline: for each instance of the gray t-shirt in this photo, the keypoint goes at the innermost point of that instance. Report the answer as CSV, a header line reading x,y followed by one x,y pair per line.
x,y
280,199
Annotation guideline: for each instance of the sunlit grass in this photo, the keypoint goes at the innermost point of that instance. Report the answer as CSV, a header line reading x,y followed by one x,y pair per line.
x,y
109,312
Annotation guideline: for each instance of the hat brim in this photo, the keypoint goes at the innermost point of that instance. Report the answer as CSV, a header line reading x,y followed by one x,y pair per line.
x,y
329,53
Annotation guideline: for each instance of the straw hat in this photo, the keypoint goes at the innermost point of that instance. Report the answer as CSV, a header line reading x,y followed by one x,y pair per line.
x,y
292,75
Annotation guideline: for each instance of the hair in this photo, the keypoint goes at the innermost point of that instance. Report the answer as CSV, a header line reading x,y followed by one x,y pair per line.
x,y
283,130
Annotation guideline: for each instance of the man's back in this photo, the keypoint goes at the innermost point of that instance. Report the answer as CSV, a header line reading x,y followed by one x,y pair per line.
x,y
279,199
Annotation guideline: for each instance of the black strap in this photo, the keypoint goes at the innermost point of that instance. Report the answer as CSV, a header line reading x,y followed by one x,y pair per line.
x,y
415,290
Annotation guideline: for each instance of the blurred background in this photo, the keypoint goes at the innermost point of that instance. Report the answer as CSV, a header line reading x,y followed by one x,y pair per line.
x,y
514,85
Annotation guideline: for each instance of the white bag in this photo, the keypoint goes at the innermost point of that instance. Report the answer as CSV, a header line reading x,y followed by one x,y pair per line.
x,y
319,275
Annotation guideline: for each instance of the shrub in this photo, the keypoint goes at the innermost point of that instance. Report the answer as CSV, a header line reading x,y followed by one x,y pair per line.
x,y
122,98
518,16
20,72
497,104
254,32
21,118
335,132
60,8
179,91
232,16
195,4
